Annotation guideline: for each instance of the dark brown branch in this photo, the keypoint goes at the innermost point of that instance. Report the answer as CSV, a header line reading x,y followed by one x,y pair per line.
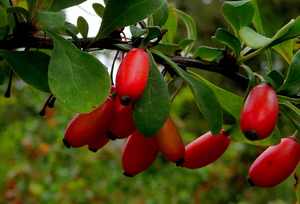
x,y
110,43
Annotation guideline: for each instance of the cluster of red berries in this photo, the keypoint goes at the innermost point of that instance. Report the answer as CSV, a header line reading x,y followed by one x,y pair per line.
x,y
257,122
114,120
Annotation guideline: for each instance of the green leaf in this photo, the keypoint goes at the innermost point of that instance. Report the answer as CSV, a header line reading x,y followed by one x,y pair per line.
x,y
168,49
253,39
76,78
191,29
4,30
83,27
186,42
161,17
119,14
293,76
256,20
152,109
30,5
204,96
291,112
171,26
99,9
226,38
233,105
276,77
30,66
58,5
68,26
20,10
50,21
152,32
136,31
2,75
208,53
238,14
252,79
285,49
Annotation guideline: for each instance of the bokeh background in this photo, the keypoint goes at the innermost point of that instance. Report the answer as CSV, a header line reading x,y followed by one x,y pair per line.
x,y
37,168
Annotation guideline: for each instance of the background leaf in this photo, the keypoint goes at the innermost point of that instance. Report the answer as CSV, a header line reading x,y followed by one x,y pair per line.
x,y
238,14
293,76
51,21
152,109
161,17
204,96
83,27
30,66
76,78
208,53
58,5
99,9
226,38
119,14
171,26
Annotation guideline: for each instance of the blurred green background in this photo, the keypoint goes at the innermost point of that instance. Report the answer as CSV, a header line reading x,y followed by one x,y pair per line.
x,y
37,168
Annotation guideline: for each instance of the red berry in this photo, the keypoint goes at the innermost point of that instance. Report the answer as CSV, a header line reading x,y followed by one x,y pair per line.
x,y
205,150
84,127
139,153
260,112
123,124
98,142
170,142
132,76
275,164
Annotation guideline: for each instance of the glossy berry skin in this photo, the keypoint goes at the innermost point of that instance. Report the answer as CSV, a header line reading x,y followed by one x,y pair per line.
x,y
83,128
132,76
123,124
98,142
205,150
139,154
170,142
275,164
259,113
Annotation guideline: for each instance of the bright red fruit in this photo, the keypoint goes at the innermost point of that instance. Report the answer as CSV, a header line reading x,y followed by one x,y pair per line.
x,y
205,150
123,124
260,112
170,142
139,154
275,164
98,142
132,76
83,128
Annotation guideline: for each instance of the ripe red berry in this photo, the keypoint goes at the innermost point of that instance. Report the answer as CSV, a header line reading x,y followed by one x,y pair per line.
x,y
170,142
84,127
275,164
260,112
98,142
205,150
123,124
132,76
139,154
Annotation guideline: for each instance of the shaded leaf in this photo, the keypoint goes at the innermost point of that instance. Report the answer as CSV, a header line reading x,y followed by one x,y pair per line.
x,y
119,14
276,77
136,31
30,66
4,30
83,27
20,10
293,76
99,9
2,75
238,14
161,17
152,109
253,39
171,26
208,53
168,49
51,21
58,5
285,49
76,78
226,38
204,96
